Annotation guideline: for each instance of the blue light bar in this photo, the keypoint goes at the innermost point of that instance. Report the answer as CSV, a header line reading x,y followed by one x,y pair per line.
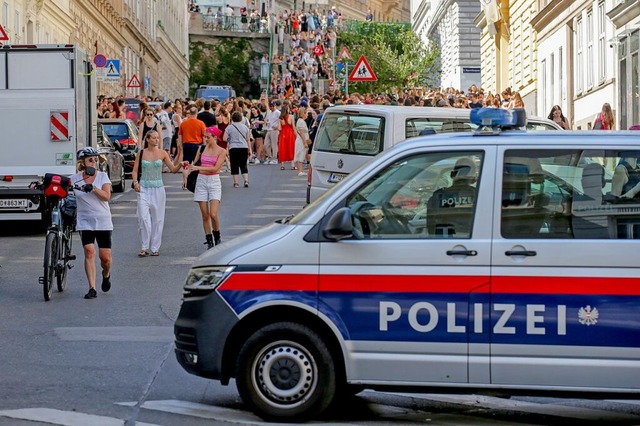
x,y
494,117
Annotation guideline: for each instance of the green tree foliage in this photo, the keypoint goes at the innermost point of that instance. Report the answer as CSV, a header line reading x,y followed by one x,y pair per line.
x,y
224,63
398,57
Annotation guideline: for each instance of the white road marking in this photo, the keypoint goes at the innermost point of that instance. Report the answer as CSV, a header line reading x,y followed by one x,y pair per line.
x,y
276,207
184,260
211,412
116,334
64,418
292,199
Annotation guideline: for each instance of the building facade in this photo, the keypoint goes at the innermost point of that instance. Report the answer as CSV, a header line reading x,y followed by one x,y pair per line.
x,y
509,51
36,21
148,37
576,67
625,44
450,24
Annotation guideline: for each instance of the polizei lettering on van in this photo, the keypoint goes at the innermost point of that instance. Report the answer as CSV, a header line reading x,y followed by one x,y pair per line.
x,y
423,317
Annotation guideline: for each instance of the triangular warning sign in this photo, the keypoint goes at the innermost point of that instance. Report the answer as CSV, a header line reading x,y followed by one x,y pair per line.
x,y
362,71
344,54
3,34
134,82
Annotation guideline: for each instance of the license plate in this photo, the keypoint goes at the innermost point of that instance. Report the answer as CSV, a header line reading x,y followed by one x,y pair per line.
x,y
336,177
14,204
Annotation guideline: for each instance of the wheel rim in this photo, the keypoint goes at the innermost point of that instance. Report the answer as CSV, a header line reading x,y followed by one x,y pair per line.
x,y
285,373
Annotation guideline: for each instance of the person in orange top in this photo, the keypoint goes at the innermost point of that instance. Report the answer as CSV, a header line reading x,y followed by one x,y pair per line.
x,y
190,136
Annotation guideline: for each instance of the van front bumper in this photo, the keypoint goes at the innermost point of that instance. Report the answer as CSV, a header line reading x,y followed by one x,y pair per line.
x,y
201,331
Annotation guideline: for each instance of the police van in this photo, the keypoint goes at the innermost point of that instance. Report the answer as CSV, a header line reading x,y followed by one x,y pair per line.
x,y
496,261
221,93
350,135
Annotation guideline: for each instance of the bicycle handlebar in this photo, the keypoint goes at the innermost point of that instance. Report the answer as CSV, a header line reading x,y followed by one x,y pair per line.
x,y
87,187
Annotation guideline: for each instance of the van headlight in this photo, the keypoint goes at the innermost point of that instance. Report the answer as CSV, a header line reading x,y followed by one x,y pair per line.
x,y
207,278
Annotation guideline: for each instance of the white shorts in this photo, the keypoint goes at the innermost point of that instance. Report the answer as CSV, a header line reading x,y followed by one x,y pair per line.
x,y
208,187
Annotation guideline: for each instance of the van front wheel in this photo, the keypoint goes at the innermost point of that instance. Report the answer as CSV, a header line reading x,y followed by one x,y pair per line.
x,y
286,373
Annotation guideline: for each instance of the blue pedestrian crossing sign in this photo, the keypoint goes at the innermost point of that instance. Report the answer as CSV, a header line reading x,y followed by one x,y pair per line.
x,y
113,68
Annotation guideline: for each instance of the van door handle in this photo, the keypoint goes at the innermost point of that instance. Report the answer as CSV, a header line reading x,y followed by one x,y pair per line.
x,y
520,253
462,253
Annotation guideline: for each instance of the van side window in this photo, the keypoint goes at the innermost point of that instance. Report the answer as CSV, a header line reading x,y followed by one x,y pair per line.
x,y
571,194
424,196
423,125
352,134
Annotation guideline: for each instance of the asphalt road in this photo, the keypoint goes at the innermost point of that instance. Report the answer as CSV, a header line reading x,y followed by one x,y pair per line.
x,y
110,361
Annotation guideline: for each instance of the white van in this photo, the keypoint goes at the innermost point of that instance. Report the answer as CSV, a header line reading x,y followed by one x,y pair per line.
x,y
351,135
486,262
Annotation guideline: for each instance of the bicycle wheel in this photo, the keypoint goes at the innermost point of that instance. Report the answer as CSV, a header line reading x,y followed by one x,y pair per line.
x,y
61,274
50,260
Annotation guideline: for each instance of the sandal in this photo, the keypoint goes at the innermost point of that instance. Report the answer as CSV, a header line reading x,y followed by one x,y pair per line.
x,y
281,167
143,253
246,184
235,185
155,253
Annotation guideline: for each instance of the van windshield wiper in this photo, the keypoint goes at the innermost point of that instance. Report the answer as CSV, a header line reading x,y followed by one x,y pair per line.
x,y
347,151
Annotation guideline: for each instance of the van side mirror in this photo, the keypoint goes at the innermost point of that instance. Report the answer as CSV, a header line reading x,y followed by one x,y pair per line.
x,y
339,225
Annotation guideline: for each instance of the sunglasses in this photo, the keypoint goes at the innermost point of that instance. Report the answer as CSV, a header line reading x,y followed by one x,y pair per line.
x,y
149,115
92,160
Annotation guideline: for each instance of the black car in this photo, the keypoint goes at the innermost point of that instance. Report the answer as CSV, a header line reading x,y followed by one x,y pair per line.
x,y
125,132
111,160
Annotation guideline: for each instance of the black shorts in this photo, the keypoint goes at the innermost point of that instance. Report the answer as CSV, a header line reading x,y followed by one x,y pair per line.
x,y
102,237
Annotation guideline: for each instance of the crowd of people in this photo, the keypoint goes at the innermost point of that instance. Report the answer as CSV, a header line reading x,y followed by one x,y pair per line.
x,y
213,137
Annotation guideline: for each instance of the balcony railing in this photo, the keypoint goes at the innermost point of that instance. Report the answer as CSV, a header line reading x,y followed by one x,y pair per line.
x,y
214,23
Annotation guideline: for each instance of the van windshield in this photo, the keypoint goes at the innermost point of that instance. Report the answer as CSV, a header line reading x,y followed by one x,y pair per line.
x,y
352,134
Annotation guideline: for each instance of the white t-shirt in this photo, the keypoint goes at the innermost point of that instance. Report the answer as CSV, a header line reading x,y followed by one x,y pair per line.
x,y
273,119
93,213
165,124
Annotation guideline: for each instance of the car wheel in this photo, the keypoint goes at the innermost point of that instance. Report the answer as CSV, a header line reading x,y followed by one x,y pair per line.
x,y
286,373
121,186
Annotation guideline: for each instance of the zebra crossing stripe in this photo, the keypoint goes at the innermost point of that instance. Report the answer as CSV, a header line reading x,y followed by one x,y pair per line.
x,y
64,418
59,126
209,412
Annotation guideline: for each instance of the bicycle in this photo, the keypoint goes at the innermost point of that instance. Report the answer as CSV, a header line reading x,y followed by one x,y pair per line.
x,y
58,240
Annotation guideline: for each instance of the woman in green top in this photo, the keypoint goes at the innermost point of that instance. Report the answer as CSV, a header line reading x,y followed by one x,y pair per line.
x,y
151,195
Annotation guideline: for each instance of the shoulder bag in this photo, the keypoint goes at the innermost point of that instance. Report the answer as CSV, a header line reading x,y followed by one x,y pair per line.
x,y
139,168
193,176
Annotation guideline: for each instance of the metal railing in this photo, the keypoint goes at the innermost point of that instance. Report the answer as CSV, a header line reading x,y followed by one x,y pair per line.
x,y
215,23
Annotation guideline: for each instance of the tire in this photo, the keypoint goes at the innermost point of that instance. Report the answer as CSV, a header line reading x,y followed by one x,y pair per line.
x,y
297,357
61,276
50,260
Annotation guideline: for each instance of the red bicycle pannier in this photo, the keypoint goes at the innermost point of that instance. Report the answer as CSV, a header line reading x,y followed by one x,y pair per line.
x,y
56,185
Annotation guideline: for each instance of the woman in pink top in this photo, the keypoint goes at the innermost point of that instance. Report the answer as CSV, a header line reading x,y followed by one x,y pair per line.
x,y
208,192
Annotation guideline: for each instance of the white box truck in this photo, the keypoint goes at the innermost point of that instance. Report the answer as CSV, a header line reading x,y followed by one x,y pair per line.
x,y
47,112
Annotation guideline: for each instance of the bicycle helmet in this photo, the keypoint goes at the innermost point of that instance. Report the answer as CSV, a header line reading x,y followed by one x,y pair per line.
x,y
87,151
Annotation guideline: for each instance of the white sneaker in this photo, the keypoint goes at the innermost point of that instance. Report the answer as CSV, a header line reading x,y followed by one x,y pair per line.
x,y
273,162
302,174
